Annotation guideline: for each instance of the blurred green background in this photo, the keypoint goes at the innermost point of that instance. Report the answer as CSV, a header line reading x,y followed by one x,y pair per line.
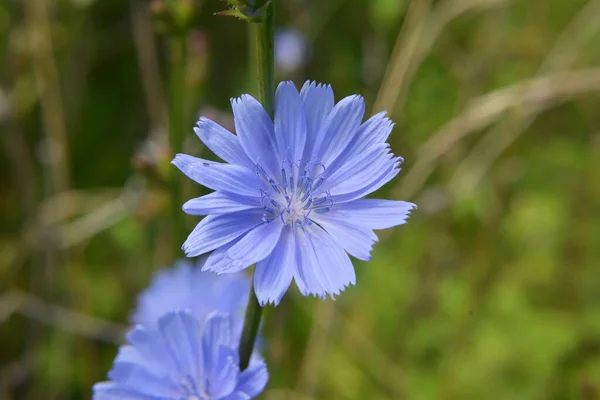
x,y
492,291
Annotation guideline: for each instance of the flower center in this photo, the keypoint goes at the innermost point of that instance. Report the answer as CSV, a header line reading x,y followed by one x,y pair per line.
x,y
296,194
190,390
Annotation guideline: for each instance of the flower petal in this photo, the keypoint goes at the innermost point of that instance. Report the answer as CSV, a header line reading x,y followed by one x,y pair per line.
x,y
375,213
114,391
217,331
256,245
379,174
225,374
323,266
220,356
290,122
142,380
237,396
338,129
181,335
218,176
217,230
364,174
223,143
373,132
220,203
273,275
255,129
254,379
149,348
318,102
219,264
247,250
351,238
358,171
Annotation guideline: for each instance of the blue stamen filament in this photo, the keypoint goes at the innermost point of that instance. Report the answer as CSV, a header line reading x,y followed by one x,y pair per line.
x,y
295,197
190,389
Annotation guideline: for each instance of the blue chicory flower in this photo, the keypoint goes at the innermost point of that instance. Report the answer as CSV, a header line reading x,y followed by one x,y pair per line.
x,y
180,359
185,286
289,197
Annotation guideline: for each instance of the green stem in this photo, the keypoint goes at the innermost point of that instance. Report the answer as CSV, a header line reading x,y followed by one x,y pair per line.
x,y
177,113
265,37
251,325
265,64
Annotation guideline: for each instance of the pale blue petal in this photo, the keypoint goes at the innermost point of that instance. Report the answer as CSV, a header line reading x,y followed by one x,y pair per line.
x,y
256,245
254,379
323,267
216,230
223,143
142,380
150,349
290,122
306,273
318,103
181,336
219,264
220,203
255,129
129,354
220,356
112,391
237,396
375,213
216,333
246,250
382,173
356,241
185,286
373,132
273,275
338,129
219,176
359,171
226,373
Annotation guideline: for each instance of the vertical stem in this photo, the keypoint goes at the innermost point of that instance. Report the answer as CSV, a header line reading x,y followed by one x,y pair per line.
x,y
251,325
177,112
265,37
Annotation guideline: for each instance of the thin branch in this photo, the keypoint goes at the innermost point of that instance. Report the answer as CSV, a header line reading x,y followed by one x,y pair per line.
x,y
536,94
565,51
60,317
414,43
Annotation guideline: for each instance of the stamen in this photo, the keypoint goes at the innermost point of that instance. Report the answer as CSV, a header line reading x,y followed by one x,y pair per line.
x,y
262,173
318,181
284,178
320,200
291,198
306,196
274,185
308,203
